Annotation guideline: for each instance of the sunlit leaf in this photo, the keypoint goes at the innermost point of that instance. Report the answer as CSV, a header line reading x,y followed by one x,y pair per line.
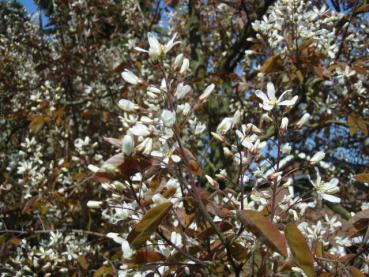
x,y
83,262
300,249
352,125
105,270
362,177
151,220
264,230
271,64
356,272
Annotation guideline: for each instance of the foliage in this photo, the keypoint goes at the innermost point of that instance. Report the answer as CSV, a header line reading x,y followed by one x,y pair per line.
x,y
177,138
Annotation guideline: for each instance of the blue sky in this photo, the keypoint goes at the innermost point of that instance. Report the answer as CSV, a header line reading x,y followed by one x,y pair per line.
x,y
29,5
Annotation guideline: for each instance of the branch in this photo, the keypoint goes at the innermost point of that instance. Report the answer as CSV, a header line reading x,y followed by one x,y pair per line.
x,y
238,48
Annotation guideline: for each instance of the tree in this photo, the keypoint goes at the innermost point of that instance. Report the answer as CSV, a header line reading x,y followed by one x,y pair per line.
x,y
169,138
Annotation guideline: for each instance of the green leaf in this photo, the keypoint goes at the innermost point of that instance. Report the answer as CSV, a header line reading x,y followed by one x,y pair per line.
x,y
264,230
300,249
362,177
151,220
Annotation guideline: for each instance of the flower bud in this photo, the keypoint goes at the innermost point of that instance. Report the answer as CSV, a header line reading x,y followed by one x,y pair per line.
x,y
130,77
127,145
185,66
94,204
178,61
127,106
209,89
284,124
225,125
218,137
305,118
182,91
168,118
317,158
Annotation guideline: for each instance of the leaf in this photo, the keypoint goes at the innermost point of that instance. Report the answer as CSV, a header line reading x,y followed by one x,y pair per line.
x,y
264,230
362,177
151,220
37,122
271,64
352,125
145,256
238,252
300,249
356,123
105,270
363,8
83,262
362,125
356,272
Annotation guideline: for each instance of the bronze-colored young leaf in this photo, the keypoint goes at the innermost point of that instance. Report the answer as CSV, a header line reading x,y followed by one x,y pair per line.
x,y
300,249
151,220
362,177
352,125
356,272
264,230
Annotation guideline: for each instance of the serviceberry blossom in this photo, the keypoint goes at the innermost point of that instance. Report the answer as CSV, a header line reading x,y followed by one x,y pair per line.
x,y
325,190
270,101
157,49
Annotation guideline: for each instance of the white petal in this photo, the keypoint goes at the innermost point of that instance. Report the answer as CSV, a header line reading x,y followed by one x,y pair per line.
x,y
331,184
262,96
155,46
282,95
209,89
130,77
169,45
331,198
139,130
141,50
271,91
289,102
267,107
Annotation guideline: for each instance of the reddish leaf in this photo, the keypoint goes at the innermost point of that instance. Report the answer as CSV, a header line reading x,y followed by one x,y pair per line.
x,y
300,249
148,224
271,64
145,256
362,177
264,230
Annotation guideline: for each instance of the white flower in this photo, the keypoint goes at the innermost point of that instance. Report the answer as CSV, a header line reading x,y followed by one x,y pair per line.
x,y
168,118
225,125
317,157
270,101
209,89
130,77
127,106
305,118
156,49
182,91
139,130
127,145
325,190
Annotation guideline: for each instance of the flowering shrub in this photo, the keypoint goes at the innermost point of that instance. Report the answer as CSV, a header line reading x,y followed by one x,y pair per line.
x,y
232,149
